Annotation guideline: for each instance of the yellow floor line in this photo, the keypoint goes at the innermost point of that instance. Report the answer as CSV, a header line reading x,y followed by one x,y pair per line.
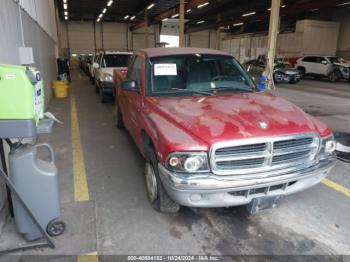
x,y
336,187
90,257
81,190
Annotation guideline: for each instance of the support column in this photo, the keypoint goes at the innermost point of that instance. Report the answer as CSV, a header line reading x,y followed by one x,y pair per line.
x,y
272,39
146,28
218,31
182,24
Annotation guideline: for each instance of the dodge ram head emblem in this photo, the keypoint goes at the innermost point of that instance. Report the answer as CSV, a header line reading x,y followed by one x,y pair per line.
x,y
263,125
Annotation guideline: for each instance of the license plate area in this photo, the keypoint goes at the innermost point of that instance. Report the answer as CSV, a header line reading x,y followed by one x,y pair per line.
x,y
263,203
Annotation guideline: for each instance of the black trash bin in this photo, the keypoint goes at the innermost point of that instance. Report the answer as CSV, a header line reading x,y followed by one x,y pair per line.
x,y
63,68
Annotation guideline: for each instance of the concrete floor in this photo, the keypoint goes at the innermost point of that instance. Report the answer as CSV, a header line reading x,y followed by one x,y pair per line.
x,y
119,220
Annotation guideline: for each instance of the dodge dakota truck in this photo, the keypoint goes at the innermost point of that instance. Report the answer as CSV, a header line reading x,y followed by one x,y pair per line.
x,y
211,139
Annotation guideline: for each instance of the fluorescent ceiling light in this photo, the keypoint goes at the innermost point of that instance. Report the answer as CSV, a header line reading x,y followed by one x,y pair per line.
x,y
65,13
174,16
249,14
65,1
238,24
165,19
110,3
202,5
66,18
126,17
346,3
133,17
200,22
100,16
104,10
188,10
314,10
150,6
283,6
65,6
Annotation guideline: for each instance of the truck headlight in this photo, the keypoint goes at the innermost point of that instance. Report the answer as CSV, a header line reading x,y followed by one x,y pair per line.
x,y
328,146
188,162
107,78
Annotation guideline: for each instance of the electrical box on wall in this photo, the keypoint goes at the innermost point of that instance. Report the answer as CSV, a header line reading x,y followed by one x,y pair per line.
x,y
26,56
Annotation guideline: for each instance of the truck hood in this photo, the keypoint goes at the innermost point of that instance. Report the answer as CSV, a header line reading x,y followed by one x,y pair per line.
x,y
342,64
109,70
234,116
288,71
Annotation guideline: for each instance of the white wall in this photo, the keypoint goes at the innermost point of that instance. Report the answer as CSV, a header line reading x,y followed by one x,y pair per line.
x,y
108,35
310,38
344,38
43,12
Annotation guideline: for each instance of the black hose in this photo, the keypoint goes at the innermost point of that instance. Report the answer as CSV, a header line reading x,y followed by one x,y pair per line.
x,y
4,167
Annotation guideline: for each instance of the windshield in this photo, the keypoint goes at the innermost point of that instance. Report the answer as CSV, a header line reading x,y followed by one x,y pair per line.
x,y
197,74
116,60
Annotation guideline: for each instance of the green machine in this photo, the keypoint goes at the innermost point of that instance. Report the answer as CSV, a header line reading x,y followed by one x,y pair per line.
x,y
33,182
21,102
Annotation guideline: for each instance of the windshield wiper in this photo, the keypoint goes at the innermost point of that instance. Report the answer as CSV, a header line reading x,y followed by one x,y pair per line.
x,y
193,91
234,88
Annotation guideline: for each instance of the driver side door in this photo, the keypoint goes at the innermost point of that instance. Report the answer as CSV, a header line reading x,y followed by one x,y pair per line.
x,y
132,100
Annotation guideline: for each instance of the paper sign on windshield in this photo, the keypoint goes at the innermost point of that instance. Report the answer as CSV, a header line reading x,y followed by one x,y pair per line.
x,y
165,70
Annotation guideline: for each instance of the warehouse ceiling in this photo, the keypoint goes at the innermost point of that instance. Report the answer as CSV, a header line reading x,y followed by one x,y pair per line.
x,y
235,15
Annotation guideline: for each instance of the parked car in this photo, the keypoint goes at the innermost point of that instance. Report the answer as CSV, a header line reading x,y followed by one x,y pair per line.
x,y
283,71
85,61
91,67
211,139
107,62
332,67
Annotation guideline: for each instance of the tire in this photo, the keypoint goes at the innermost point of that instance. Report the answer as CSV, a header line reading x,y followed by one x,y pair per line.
x,y
302,72
334,76
103,96
97,88
157,196
120,122
55,228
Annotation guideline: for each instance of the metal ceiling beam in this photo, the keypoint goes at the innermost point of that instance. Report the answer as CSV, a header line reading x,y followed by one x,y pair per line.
x,y
264,14
168,13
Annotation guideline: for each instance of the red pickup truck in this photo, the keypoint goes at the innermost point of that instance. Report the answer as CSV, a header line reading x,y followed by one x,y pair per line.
x,y
211,138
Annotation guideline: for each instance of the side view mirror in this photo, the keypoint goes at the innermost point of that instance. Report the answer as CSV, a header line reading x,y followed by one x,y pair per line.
x,y
130,86
96,65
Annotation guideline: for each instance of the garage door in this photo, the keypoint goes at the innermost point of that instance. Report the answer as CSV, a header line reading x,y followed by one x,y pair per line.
x,y
139,41
81,37
199,39
115,36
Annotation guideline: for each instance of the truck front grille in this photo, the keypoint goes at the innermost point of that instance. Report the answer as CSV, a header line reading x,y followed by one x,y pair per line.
x,y
252,156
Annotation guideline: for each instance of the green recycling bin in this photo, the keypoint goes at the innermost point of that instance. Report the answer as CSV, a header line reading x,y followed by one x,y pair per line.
x,y
21,101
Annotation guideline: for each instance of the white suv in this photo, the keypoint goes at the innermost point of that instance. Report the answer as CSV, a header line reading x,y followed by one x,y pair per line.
x,y
106,63
332,67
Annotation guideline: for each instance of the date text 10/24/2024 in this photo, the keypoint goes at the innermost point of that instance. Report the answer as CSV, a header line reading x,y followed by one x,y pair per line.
x,y
174,258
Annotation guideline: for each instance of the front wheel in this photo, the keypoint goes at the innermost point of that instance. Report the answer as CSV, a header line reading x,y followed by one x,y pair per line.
x,y
103,96
120,122
156,193
334,76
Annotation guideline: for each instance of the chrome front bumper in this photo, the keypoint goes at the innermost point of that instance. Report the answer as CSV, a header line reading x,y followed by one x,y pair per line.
x,y
209,190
